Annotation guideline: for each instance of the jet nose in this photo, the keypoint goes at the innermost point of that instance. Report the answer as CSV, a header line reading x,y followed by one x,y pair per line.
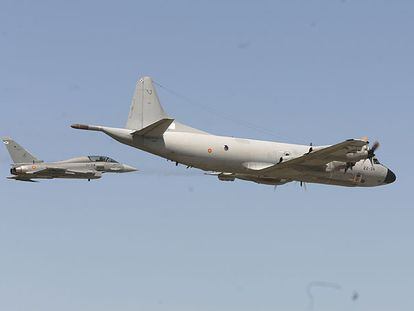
x,y
127,168
390,178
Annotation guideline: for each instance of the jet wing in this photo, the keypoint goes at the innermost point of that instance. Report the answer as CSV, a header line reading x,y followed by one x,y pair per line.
x,y
84,173
53,171
317,158
47,170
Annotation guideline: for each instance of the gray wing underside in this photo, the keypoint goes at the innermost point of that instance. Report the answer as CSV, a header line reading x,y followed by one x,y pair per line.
x,y
317,158
57,171
54,172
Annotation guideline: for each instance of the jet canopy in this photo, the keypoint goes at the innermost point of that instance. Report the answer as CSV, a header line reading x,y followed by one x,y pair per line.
x,y
101,159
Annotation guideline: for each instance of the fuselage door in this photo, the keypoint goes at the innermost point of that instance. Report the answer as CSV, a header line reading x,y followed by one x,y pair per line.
x,y
357,178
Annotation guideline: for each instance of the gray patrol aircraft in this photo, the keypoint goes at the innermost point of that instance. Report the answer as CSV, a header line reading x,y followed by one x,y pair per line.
x,y
26,167
348,163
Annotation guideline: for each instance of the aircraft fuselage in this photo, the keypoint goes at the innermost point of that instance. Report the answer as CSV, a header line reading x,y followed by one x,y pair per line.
x,y
243,157
149,128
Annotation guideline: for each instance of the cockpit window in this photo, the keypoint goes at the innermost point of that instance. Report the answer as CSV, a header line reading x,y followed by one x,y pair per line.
x,y
101,159
375,160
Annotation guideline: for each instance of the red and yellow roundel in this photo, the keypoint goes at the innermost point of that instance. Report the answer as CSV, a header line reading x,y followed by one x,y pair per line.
x,y
209,150
33,167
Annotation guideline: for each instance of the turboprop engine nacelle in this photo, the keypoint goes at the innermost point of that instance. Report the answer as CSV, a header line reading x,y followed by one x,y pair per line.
x,y
337,166
356,156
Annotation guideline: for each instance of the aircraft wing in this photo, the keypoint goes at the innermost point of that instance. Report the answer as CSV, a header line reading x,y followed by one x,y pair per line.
x,y
318,157
52,171
82,173
47,170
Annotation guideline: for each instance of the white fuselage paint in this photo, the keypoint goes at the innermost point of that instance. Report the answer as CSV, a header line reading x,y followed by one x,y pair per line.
x,y
208,152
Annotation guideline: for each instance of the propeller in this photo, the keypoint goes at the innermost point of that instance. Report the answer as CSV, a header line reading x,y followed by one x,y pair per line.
x,y
371,152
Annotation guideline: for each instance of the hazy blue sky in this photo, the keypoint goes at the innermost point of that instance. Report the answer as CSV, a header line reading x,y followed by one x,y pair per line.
x,y
168,238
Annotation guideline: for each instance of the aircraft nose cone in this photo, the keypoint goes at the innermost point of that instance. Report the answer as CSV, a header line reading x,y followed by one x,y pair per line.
x,y
390,178
127,168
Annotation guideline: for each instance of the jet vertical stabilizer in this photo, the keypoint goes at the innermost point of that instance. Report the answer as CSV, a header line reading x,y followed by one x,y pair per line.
x,y
18,153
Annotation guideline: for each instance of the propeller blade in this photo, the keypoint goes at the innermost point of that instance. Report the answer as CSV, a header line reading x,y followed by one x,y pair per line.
x,y
375,146
371,152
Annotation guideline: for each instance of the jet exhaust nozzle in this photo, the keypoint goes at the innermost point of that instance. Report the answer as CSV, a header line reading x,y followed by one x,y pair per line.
x,y
17,170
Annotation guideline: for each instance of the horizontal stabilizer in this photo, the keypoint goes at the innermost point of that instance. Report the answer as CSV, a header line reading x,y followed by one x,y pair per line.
x,y
156,129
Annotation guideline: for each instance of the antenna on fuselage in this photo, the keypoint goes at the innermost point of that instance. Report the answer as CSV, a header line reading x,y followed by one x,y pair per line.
x,y
303,185
217,113
310,148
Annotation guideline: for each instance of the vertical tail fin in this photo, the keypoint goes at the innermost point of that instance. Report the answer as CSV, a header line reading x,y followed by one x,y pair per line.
x,y
145,107
18,153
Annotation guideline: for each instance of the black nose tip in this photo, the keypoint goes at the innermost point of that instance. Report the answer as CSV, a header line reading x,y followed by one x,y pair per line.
x,y
390,178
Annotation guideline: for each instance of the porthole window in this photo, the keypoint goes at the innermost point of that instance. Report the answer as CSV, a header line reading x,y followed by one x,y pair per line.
x,y
226,147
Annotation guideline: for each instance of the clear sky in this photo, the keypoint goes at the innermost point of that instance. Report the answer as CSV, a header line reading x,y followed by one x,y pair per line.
x,y
167,238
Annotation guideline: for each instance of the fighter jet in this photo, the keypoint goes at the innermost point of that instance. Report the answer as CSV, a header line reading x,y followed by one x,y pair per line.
x,y
26,167
349,163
